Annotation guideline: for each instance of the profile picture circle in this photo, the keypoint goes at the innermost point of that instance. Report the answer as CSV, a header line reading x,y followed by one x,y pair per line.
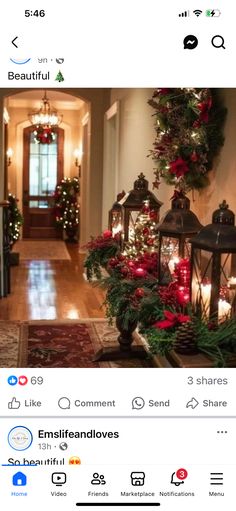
x,y
20,438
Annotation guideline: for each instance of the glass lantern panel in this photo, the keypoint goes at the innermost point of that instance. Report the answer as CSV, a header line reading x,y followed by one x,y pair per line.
x,y
207,284
201,282
187,248
228,284
169,254
133,215
170,251
116,222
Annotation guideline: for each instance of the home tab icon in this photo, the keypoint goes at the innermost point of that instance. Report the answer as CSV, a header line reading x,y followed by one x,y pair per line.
x,y
19,479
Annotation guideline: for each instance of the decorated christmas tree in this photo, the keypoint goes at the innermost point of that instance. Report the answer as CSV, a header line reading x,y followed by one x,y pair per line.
x,y
144,239
66,206
15,220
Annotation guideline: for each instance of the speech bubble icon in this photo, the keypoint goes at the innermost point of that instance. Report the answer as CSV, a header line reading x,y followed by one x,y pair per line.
x,y
138,403
190,42
64,403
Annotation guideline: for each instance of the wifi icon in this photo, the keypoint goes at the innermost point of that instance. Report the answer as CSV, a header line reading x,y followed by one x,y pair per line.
x,y
197,12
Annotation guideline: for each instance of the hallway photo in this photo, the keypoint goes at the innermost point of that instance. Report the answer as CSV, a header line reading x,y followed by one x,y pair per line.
x,y
104,193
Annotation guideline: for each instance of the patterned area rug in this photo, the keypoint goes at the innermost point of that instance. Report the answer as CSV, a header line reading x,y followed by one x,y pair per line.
x,y
44,250
61,344
10,343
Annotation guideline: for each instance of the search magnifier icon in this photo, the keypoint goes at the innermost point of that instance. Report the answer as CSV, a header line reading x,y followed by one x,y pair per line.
x,y
218,41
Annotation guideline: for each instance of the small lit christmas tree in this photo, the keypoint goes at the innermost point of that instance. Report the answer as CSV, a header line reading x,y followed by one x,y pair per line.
x,y
15,220
66,206
144,239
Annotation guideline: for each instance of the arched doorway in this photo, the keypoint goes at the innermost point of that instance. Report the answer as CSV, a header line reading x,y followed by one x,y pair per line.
x,y
95,104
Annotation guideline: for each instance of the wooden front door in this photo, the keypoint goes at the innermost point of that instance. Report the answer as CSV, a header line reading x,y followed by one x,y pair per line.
x,y
42,169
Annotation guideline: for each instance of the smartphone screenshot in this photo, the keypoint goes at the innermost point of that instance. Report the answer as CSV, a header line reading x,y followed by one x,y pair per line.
x,y
117,255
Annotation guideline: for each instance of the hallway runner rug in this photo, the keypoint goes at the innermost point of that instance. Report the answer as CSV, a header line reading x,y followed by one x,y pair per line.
x,y
71,344
42,250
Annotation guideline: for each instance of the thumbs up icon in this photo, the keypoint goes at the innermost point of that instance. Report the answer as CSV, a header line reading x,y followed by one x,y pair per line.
x,y
14,404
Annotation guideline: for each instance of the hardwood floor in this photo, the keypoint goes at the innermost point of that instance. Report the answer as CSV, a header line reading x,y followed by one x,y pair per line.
x,y
51,290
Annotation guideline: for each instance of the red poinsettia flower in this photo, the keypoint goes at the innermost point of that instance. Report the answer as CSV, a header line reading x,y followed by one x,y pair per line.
x,y
171,320
179,167
204,108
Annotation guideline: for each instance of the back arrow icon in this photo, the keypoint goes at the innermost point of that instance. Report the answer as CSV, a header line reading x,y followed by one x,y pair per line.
x,y
13,41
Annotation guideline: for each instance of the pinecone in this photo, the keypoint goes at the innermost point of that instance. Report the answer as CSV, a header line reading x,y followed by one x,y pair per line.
x,y
185,340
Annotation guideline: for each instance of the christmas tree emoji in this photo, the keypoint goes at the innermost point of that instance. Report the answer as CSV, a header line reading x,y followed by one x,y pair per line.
x,y
59,78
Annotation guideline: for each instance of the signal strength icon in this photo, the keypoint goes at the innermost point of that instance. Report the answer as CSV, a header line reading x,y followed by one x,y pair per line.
x,y
184,14
197,12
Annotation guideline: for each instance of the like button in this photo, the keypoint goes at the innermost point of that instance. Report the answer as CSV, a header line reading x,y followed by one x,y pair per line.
x,y
14,404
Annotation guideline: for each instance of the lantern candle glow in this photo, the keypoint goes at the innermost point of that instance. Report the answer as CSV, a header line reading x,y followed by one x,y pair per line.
x,y
178,225
211,258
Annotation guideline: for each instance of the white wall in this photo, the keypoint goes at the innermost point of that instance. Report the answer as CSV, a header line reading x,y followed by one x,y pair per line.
x,y
136,138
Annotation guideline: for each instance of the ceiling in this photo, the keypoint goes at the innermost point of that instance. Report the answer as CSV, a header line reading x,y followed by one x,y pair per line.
x,y
32,99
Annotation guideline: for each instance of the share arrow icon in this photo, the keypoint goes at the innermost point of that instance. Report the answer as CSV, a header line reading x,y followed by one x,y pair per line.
x,y
193,403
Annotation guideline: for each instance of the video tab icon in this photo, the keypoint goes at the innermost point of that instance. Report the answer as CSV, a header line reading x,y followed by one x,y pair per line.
x,y
58,478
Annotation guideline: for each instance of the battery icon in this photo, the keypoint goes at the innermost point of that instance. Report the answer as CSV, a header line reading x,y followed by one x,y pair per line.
x,y
213,13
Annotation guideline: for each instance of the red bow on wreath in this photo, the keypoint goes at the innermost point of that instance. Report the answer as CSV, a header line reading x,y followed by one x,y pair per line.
x,y
171,320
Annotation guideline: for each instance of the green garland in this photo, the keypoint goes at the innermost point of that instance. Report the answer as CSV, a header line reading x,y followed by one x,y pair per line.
x,y
100,251
189,134
218,343
123,298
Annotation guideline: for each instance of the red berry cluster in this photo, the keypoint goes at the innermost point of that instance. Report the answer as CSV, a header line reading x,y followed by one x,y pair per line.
x,y
142,267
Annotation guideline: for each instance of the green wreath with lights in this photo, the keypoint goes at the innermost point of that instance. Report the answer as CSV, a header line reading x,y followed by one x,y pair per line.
x,y
189,134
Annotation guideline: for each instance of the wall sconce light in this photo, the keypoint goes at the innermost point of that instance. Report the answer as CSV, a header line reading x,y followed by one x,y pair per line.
x,y
9,156
78,155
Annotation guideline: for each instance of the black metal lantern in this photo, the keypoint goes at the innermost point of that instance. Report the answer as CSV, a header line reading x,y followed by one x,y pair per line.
x,y
175,230
213,289
115,216
133,202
